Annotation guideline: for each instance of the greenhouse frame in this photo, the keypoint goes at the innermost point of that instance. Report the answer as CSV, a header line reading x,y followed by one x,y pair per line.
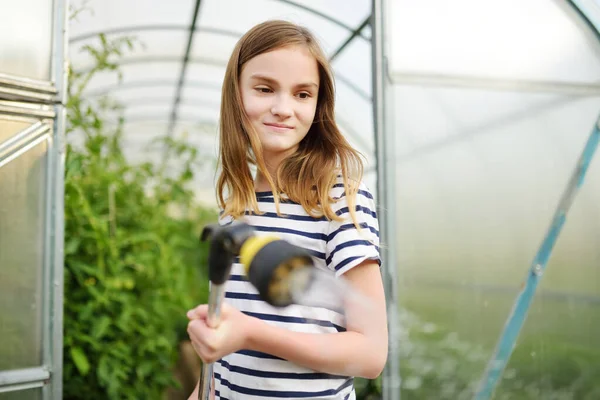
x,y
478,122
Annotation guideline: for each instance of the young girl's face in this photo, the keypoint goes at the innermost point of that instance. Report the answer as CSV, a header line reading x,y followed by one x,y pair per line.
x,y
279,92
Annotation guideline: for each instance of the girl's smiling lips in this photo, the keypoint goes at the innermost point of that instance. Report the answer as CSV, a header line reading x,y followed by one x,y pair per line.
x,y
278,127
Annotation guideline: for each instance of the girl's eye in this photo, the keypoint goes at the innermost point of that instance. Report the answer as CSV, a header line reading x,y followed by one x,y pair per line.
x,y
263,90
304,95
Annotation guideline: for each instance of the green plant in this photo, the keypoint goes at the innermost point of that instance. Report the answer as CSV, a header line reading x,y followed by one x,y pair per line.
x,y
133,262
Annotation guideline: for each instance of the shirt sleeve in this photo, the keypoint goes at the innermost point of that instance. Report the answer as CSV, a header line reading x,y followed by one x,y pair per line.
x,y
348,246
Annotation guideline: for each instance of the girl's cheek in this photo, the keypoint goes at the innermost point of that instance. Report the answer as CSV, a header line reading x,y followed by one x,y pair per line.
x,y
253,107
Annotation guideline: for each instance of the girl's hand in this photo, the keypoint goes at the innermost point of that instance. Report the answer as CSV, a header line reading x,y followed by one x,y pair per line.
x,y
231,335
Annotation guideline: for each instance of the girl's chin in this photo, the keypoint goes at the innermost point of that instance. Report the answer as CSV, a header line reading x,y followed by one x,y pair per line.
x,y
278,149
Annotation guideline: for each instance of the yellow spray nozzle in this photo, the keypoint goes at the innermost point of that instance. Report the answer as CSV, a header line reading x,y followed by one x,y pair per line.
x,y
270,264
252,246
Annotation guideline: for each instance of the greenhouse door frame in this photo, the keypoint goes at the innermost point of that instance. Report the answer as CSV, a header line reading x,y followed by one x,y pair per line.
x,y
386,191
47,100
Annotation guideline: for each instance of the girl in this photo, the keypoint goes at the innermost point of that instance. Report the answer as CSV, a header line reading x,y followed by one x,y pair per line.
x,y
277,114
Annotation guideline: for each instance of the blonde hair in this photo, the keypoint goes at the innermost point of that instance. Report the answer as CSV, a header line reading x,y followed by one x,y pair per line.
x,y
308,175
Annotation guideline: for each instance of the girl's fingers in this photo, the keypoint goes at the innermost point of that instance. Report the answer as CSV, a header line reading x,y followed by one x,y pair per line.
x,y
202,333
199,312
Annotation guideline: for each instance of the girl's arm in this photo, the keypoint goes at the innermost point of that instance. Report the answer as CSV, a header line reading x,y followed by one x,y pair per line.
x,y
360,351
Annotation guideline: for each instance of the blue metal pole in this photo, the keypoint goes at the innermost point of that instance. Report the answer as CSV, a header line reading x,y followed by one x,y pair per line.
x,y
521,306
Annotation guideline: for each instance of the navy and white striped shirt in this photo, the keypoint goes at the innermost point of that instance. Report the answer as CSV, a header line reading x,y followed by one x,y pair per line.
x,y
335,246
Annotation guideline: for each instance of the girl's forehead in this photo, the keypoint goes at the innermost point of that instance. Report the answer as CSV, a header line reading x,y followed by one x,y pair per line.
x,y
284,64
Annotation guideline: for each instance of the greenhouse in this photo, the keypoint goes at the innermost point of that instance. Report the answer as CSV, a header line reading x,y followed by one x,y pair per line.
x,y
478,122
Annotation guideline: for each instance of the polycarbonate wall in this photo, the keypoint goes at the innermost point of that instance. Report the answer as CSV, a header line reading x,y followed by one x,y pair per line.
x,y
493,103
167,89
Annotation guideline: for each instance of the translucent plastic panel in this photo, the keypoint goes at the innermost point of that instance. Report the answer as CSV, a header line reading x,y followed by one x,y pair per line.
x,y
201,111
155,111
202,96
250,13
471,214
29,394
22,205
558,354
351,13
198,72
110,14
143,131
217,46
432,118
139,73
8,128
546,40
355,63
157,43
26,38
355,116
199,90
132,95
370,179
209,105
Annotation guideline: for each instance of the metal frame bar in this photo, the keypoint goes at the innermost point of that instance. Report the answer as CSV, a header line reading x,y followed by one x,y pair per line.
x,y
167,59
513,85
324,16
149,83
150,117
354,34
21,110
20,88
153,118
27,83
585,10
55,196
384,148
156,27
15,149
22,138
21,379
182,74
146,101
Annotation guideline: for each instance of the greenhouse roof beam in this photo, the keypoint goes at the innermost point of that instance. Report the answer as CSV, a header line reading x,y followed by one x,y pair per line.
x,y
324,16
184,64
156,27
209,61
354,34
499,84
100,91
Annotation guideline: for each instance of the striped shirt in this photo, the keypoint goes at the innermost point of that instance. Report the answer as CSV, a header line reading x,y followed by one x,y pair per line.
x,y
334,246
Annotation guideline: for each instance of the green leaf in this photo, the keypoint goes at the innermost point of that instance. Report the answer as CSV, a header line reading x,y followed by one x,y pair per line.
x,y
80,360
144,369
100,327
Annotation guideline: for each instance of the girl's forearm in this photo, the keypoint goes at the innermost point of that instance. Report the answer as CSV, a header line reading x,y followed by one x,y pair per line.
x,y
344,353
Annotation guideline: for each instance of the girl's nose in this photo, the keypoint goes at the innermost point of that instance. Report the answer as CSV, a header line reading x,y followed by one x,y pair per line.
x,y
282,107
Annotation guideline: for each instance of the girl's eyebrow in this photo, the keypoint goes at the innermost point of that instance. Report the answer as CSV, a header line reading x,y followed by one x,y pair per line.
x,y
274,82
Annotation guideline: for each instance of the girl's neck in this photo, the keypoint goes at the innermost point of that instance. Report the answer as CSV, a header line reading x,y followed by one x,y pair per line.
x,y
261,184
272,162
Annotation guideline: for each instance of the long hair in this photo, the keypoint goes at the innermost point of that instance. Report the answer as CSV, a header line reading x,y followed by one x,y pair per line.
x,y
307,176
